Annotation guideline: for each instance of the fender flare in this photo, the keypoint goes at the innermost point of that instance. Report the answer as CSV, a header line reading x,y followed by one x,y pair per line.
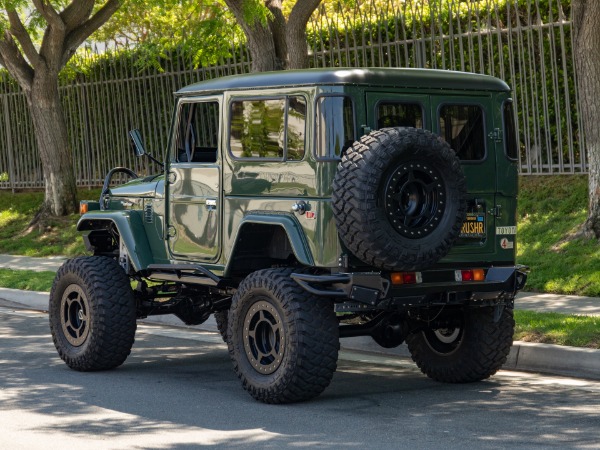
x,y
131,230
292,228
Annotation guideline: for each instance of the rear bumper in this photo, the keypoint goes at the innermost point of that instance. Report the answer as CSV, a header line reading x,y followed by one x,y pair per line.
x,y
370,288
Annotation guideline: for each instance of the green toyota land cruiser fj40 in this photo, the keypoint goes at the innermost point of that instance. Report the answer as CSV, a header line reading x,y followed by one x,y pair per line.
x,y
302,207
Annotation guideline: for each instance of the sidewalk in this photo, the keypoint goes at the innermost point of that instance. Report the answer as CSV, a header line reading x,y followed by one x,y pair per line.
x,y
545,358
15,262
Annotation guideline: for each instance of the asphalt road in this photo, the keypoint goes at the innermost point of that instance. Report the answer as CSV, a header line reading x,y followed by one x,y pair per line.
x,y
177,390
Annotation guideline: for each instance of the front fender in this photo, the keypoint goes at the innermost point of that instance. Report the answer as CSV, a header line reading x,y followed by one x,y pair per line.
x,y
131,230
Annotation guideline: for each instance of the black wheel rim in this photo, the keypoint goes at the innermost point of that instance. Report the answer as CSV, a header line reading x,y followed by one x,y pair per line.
x,y
414,199
264,337
75,315
444,341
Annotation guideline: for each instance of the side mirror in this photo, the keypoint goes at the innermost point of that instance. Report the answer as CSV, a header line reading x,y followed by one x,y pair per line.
x,y
136,142
138,146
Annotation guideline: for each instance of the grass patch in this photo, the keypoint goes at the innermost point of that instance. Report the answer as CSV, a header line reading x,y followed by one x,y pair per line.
x,y
551,209
56,236
27,280
555,328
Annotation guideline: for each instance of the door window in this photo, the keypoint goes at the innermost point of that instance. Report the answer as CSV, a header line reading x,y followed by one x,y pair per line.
x,y
197,132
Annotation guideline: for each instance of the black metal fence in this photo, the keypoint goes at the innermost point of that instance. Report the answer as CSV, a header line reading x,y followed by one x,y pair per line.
x,y
525,42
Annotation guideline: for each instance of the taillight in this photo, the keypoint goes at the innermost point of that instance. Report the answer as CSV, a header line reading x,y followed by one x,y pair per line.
x,y
469,275
406,278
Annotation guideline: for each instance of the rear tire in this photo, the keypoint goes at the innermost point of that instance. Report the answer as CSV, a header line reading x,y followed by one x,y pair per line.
x,y
473,351
283,341
92,314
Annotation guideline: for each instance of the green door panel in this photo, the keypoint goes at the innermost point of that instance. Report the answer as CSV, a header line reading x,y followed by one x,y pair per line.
x,y
194,211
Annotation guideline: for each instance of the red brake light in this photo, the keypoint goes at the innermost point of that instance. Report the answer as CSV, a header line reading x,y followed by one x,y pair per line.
x,y
470,275
406,278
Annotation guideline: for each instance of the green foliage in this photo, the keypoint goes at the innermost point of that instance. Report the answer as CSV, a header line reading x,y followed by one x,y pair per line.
x,y
560,329
205,30
551,211
255,11
27,280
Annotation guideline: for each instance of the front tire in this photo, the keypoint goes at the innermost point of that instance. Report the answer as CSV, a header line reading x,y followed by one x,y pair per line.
x,y
472,351
283,341
221,318
92,314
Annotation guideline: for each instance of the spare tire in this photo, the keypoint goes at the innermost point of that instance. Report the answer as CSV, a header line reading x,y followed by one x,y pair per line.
x,y
399,198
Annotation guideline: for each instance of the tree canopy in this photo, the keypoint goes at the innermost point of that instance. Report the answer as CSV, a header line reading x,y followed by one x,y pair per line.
x,y
203,28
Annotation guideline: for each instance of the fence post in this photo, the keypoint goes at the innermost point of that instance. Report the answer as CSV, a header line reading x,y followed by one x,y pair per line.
x,y
9,149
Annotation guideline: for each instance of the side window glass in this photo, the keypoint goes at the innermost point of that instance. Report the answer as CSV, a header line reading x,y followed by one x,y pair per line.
x,y
270,128
257,128
462,126
197,132
512,148
391,114
296,128
334,126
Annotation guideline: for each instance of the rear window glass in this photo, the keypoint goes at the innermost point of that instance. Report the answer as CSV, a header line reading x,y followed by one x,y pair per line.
x,y
390,114
462,126
334,126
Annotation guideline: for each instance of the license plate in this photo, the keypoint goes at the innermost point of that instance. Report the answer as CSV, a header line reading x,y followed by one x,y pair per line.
x,y
474,226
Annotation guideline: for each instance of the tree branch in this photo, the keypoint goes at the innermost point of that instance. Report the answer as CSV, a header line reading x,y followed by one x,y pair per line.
x,y
277,27
76,12
18,30
49,13
296,33
76,37
301,12
237,9
12,59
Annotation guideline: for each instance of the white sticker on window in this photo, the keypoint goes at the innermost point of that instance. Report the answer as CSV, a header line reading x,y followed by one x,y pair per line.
x,y
506,244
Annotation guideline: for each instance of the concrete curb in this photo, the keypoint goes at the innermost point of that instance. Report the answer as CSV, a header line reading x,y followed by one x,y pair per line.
x,y
523,356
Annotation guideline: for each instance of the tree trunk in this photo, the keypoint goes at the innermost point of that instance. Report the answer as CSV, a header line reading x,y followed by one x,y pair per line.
x,y
262,49
586,17
297,47
53,145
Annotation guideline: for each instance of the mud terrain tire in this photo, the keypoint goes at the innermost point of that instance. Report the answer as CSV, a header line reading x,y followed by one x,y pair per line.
x,y
472,352
399,198
221,318
92,314
283,341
